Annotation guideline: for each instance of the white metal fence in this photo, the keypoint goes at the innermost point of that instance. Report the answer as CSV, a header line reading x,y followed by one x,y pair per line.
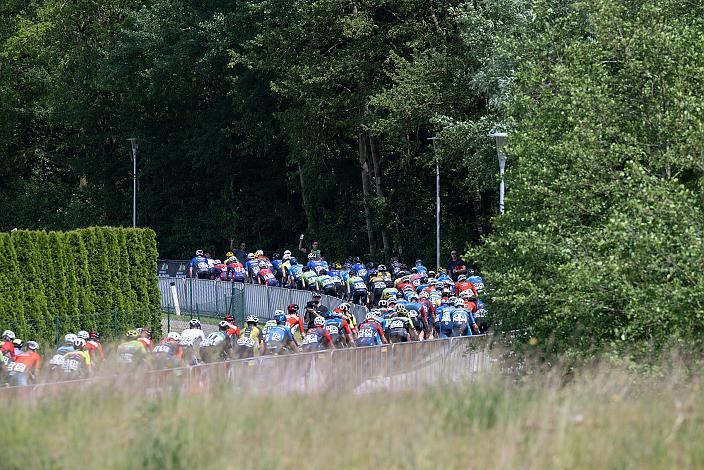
x,y
359,370
217,298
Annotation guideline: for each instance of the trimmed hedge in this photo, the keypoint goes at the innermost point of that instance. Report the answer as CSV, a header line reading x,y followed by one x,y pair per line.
x,y
56,282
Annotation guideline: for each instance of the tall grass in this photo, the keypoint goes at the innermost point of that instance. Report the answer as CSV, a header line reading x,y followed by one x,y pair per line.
x,y
602,417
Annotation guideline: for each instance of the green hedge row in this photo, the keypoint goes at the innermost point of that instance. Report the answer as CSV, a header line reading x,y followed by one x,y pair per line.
x,y
55,282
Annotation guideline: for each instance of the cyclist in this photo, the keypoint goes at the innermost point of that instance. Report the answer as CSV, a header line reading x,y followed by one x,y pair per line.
x,y
370,331
278,339
385,275
339,277
294,321
77,363
233,331
145,337
94,346
26,367
339,330
399,326
377,284
68,345
415,313
131,351
359,267
168,353
317,337
191,339
349,317
420,267
443,319
463,284
463,323
326,284
266,276
217,346
252,267
199,266
309,279
250,337
389,293
235,270
357,289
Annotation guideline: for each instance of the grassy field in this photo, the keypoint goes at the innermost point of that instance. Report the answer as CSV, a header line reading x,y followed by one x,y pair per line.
x,y
601,418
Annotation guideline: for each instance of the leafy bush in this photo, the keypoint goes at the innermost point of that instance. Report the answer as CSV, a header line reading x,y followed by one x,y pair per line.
x,y
63,278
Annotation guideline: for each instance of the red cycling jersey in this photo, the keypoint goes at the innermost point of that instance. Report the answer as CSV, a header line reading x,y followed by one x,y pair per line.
x,y
8,350
463,286
29,360
293,319
95,349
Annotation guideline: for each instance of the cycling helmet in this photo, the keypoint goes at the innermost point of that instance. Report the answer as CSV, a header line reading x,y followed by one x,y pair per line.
x,y
279,317
18,343
70,338
292,307
391,300
370,316
83,334
413,296
381,268
259,253
461,278
414,270
8,335
94,335
276,256
223,325
173,336
199,252
319,321
229,254
131,334
344,306
252,319
431,273
311,255
229,318
357,259
32,345
194,323
287,256
459,303
382,303
80,343
287,252
424,295
370,265
250,255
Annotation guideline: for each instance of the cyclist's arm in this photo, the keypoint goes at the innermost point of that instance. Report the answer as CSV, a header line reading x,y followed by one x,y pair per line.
x,y
381,334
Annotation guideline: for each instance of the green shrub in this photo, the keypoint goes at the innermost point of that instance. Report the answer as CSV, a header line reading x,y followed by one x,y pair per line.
x,y
97,278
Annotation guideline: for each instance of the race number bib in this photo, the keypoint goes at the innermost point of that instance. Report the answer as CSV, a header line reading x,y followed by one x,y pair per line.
x,y
396,324
332,329
246,341
366,333
311,338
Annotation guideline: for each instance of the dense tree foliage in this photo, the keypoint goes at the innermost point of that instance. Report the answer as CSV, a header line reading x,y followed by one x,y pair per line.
x,y
601,245
257,120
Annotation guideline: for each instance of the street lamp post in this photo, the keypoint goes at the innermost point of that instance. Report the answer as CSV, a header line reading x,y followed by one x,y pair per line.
x,y
437,203
135,146
501,154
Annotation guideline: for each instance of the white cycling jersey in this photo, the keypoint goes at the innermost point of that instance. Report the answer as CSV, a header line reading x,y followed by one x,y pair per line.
x,y
188,336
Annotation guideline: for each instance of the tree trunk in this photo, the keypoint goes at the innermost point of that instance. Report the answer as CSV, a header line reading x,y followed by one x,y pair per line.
x,y
478,213
310,217
379,191
365,190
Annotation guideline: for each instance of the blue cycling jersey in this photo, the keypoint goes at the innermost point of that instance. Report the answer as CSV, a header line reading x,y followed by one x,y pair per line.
x,y
277,336
295,270
199,264
421,268
277,265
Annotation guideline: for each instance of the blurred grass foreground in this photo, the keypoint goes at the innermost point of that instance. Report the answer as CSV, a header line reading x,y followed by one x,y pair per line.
x,y
595,417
